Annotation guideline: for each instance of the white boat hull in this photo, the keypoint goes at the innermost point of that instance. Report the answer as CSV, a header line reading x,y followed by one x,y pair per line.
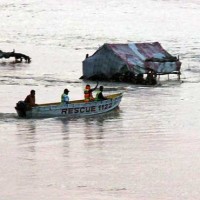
x,y
76,108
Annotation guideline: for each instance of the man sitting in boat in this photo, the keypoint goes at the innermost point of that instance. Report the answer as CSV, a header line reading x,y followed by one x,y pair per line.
x,y
30,100
65,97
88,93
99,94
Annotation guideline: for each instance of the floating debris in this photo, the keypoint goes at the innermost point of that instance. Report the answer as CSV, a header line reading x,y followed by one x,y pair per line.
x,y
19,57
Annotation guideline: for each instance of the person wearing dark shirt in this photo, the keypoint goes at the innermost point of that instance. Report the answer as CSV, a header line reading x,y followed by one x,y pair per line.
x,y
99,94
30,99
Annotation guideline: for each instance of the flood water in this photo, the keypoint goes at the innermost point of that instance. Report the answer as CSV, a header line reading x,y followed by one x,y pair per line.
x,y
147,149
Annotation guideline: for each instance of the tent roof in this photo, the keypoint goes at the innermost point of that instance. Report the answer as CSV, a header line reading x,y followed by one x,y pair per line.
x,y
137,52
145,56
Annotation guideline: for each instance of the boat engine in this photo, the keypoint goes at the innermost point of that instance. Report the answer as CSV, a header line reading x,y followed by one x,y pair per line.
x,y
21,108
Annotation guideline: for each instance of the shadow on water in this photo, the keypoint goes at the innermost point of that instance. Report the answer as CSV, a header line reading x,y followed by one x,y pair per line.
x,y
7,117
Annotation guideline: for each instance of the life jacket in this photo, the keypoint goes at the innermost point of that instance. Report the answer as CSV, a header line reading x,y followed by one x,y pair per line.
x,y
88,95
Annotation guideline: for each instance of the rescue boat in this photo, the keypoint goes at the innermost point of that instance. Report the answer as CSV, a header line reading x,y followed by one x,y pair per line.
x,y
76,108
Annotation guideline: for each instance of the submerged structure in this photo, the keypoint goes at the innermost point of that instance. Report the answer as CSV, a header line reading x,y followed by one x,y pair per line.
x,y
129,62
19,57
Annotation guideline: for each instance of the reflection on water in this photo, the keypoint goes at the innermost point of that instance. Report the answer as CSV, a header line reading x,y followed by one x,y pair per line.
x,y
99,123
26,134
32,133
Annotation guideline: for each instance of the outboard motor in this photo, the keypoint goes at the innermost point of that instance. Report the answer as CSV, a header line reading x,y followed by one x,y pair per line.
x,y
21,108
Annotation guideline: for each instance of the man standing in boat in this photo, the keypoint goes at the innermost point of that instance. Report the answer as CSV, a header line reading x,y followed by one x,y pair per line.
x,y
65,97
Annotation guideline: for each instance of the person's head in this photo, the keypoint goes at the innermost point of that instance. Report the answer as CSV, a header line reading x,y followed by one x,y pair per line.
x,y
101,88
87,87
32,92
66,91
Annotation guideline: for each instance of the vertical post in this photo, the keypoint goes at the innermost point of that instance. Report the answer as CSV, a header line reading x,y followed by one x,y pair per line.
x,y
179,75
158,77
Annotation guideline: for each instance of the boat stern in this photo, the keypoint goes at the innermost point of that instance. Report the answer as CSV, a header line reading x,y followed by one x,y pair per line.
x,y
21,108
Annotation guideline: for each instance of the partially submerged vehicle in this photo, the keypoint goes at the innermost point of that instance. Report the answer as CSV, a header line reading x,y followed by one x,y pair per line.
x,y
77,108
130,62
19,57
